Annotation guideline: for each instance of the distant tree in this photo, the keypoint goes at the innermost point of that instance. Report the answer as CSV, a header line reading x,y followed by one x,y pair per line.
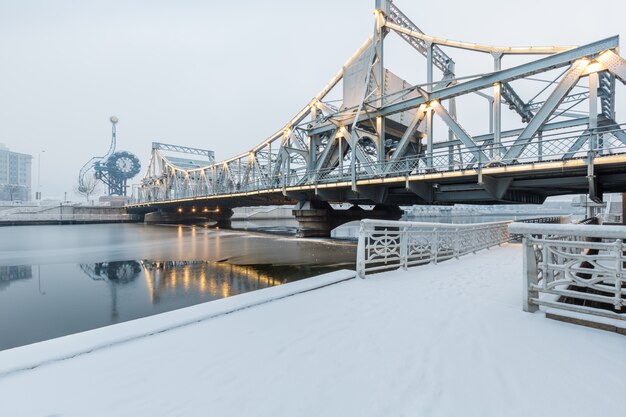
x,y
12,189
88,187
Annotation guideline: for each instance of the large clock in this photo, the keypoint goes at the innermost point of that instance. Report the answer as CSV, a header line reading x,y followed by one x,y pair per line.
x,y
123,164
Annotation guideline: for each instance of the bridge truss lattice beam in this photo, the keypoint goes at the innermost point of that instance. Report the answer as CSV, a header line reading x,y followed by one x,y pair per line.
x,y
384,125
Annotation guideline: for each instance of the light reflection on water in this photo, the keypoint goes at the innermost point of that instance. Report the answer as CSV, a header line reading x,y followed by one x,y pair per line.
x,y
225,279
58,280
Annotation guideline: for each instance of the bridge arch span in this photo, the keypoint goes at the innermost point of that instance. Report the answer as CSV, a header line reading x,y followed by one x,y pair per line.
x,y
389,142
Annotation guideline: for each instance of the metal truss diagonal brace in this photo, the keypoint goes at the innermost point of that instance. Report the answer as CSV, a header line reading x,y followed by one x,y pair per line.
x,y
614,63
515,102
619,135
459,132
552,103
406,137
576,146
332,141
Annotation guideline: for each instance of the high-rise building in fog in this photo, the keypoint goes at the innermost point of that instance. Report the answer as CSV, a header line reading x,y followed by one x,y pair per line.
x,y
15,175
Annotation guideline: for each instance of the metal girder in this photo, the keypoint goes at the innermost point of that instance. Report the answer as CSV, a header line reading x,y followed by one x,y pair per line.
x,y
332,194
497,187
183,149
423,190
358,151
604,125
607,94
470,46
377,194
613,63
619,135
515,102
556,125
459,132
332,142
577,144
557,182
366,164
568,99
440,59
517,196
406,137
595,192
313,150
337,153
568,81
487,138
525,70
301,152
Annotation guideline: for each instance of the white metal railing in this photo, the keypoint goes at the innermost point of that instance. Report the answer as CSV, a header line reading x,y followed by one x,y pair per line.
x,y
386,245
580,268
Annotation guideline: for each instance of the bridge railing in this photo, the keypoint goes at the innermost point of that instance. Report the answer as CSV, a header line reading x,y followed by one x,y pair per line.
x,y
574,268
388,245
607,141
550,147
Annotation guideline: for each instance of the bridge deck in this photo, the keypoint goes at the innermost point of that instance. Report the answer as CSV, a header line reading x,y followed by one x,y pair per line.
x,y
525,183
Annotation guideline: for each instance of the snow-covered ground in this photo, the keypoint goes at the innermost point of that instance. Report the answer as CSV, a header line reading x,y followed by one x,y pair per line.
x,y
437,340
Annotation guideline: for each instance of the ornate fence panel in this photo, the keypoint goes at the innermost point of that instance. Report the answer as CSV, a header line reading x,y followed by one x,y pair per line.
x,y
579,268
386,245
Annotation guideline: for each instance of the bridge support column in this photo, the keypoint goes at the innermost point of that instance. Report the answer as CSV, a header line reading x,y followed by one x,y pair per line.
x,y
318,218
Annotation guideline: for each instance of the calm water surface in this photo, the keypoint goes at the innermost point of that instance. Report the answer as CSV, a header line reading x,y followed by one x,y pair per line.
x,y
58,280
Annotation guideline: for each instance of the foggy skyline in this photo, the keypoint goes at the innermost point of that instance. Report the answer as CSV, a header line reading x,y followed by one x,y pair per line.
x,y
219,75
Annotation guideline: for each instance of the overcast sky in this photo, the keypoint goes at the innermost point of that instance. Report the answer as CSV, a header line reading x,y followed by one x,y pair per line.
x,y
221,75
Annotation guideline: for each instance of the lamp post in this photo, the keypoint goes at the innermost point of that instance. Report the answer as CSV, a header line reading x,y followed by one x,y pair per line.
x,y
38,195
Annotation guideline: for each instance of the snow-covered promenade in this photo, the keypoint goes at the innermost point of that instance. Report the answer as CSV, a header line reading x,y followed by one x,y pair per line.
x,y
436,340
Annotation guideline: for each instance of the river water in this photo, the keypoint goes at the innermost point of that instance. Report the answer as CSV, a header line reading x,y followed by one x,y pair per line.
x,y
58,280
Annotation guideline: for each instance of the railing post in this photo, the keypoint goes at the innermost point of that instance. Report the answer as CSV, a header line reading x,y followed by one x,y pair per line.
x,y
530,275
457,243
360,252
619,274
404,243
434,246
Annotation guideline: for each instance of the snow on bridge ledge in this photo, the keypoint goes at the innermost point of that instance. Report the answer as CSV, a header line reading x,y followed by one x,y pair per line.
x,y
446,339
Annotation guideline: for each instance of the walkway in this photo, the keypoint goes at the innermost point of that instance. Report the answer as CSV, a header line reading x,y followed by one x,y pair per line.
x,y
444,340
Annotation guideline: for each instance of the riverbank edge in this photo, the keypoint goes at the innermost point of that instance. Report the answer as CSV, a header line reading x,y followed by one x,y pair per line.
x,y
24,358
6,223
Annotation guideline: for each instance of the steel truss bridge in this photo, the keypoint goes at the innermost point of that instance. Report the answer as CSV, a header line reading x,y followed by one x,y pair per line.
x,y
377,143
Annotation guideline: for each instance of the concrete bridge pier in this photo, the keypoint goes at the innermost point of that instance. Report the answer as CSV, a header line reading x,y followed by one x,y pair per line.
x,y
190,215
318,218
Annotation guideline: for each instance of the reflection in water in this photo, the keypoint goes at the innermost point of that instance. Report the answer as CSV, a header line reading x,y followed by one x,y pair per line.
x,y
88,276
216,279
117,271
14,272
114,273
209,280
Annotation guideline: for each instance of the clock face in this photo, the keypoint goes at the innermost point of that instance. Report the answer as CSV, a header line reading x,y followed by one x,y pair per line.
x,y
124,164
